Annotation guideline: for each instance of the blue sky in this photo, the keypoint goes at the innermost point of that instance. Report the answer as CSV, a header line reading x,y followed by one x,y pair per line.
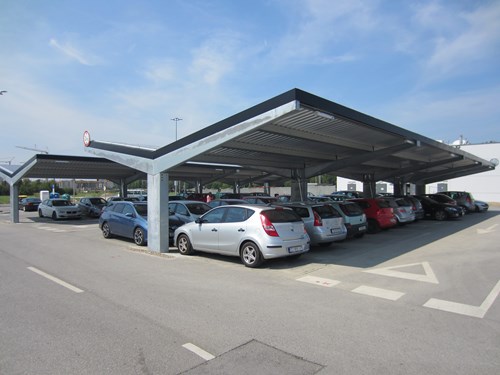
x,y
123,69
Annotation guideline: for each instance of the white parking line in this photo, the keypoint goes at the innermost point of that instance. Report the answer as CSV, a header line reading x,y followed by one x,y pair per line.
x,y
429,277
198,351
51,229
319,281
463,309
56,280
378,292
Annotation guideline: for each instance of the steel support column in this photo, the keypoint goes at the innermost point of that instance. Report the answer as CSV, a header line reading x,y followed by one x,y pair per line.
x,y
299,185
158,233
419,189
14,203
369,185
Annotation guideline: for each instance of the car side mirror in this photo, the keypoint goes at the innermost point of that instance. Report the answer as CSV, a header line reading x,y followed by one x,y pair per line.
x,y
198,221
129,214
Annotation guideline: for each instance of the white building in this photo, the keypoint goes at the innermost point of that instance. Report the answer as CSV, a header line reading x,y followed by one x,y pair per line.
x,y
484,186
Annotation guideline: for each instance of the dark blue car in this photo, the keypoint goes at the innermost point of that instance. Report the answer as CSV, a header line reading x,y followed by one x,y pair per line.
x,y
126,219
130,220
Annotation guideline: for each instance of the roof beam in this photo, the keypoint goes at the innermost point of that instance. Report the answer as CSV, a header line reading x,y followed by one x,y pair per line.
x,y
421,177
357,159
404,171
455,174
330,140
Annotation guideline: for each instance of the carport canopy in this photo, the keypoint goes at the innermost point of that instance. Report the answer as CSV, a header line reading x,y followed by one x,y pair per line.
x,y
293,136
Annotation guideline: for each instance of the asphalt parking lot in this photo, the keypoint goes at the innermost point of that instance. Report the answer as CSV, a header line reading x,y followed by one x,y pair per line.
x,y
421,298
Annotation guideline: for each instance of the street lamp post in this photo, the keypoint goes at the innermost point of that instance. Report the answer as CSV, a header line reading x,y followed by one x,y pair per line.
x,y
176,119
176,183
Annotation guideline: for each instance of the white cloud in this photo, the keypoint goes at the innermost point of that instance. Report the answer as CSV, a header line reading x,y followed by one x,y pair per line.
x,y
473,37
161,71
215,58
70,51
473,114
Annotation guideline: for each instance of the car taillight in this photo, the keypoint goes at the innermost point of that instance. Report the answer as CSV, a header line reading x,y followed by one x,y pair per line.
x,y
268,226
317,220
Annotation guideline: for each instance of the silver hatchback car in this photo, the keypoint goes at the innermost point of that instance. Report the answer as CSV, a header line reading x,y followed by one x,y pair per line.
x,y
403,210
254,233
323,223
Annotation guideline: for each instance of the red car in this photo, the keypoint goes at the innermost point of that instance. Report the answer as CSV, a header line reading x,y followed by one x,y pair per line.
x,y
379,213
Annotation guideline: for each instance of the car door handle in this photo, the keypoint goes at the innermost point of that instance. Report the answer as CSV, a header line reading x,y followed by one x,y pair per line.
x,y
241,230
214,230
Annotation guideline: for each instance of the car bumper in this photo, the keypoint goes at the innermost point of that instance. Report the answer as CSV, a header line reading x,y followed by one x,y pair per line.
x,y
325,235
285,248
353,230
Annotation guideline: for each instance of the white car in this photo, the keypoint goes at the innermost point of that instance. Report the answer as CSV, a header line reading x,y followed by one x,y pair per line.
x,y
254,233
58,208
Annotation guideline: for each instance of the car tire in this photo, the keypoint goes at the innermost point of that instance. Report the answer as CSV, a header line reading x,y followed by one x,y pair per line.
x,y
250,255
373,226
184,245
139,237
106,231
40,213
54,216
440,215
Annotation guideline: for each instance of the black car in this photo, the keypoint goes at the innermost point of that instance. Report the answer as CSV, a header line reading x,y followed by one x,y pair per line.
x,y
439,211
29,204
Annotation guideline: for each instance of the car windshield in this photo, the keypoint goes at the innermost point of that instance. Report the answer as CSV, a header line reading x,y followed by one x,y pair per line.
x,y
62,202
142,209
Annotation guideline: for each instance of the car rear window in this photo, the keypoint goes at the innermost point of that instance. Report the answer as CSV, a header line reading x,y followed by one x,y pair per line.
x,y
351,209
198,208
326,211
383,203
281,215
403,202
301,211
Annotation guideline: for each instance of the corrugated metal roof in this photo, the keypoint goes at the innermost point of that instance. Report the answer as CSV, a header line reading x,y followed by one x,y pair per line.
x,y
294,130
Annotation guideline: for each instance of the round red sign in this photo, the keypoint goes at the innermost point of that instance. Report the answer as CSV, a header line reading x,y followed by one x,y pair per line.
x,y
86,138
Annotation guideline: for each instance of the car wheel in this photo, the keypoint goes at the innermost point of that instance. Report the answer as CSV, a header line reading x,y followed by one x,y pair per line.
x,y
106,231
54,216
251,255
373,226
440,215
184,245
40,213
139,237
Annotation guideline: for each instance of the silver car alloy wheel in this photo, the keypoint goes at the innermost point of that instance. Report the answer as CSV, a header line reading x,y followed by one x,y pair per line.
x,y
250,255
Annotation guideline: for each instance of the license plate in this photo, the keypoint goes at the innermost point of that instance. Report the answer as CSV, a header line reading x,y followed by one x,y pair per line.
x,y
335,231
362,228
295,249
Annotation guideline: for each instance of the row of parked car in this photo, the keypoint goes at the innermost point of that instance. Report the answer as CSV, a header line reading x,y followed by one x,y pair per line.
x,y
270,227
